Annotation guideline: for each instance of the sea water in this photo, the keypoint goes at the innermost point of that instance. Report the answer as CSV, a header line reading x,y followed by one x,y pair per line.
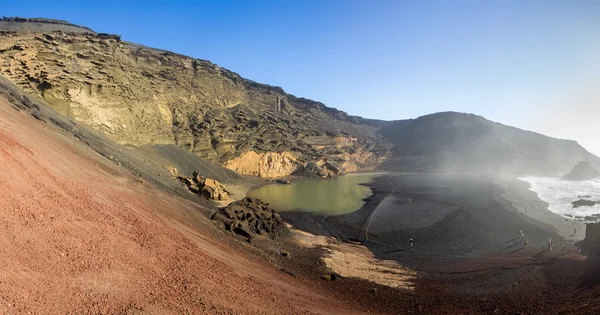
x,y
560,194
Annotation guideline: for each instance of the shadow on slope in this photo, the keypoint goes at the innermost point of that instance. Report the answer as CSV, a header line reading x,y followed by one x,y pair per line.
x,y
150,171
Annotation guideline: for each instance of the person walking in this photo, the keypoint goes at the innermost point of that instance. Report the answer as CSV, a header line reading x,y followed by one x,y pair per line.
x,y
412,243
550,244
522,235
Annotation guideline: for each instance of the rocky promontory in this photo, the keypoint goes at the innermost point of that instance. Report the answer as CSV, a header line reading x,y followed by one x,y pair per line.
x,y
582,171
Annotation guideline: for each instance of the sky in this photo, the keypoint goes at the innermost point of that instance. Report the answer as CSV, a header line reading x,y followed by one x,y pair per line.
x,y
531,64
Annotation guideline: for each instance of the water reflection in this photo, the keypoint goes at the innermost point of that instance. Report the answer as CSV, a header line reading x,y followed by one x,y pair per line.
x,y
339,195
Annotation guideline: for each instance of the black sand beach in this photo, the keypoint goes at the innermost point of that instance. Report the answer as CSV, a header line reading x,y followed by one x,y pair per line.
x,y
448,215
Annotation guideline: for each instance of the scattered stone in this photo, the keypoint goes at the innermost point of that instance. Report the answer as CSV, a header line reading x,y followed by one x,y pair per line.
x,y
281,181
285,253
374,290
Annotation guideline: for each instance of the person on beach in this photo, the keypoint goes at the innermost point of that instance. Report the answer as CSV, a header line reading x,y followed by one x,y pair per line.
x,y
412,243
550,244
522,235
525,241
578,249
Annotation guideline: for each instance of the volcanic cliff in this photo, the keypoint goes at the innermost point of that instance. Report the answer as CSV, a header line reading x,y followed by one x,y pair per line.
x,y
141,97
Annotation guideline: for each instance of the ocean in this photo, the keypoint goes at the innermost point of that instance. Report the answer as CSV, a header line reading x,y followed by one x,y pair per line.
x,y
559,194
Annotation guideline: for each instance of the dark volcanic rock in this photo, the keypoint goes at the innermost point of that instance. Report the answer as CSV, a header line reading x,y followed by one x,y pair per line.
x,y
583,202
582,171
249,217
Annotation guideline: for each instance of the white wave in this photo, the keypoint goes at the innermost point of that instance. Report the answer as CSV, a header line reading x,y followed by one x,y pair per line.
x,y
560,194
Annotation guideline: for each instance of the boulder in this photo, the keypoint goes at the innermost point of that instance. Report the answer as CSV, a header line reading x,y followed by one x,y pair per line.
x,y
189,182
212,189
206,187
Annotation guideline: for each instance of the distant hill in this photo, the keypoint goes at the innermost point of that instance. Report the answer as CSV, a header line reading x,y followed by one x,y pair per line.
x,y
456,142
139,96
19,24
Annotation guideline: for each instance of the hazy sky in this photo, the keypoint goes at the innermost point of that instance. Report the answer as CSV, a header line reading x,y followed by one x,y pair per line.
x,y
531,64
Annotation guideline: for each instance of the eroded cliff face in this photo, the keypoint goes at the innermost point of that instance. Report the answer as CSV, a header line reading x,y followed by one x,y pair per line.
x,y
139,96
265,165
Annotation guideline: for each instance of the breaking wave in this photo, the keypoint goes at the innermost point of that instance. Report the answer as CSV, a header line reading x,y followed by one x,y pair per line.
x,y
560,194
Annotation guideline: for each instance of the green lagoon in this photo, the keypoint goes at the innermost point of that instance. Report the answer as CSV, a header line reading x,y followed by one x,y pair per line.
x,y
334,196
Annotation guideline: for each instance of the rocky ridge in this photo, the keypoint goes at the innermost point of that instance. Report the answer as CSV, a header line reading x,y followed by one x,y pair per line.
x,y
141,96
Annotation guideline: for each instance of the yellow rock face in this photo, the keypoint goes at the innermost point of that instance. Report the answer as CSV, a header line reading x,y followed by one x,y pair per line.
x,y
267,165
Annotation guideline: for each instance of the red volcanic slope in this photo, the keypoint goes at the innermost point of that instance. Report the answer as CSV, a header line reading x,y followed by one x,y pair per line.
x,y
80,234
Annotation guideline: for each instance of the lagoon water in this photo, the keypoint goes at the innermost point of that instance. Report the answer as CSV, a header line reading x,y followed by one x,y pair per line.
x,y
334,196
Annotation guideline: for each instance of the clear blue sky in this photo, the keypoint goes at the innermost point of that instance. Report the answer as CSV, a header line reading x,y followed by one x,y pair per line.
x,y
531,64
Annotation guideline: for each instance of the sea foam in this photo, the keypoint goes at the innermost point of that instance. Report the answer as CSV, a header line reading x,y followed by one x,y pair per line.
x,y
560,194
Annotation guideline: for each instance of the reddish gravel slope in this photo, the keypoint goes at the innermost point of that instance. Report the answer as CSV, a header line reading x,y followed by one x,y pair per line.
x,y
78,234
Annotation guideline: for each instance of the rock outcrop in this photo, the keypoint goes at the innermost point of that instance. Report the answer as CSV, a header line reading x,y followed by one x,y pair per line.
x,y
250,217
582,171
206,187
